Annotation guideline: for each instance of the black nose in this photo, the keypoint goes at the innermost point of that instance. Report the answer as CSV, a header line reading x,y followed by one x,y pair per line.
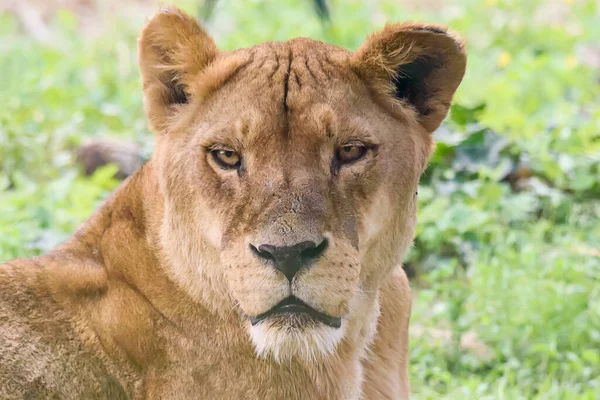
x,y
290,259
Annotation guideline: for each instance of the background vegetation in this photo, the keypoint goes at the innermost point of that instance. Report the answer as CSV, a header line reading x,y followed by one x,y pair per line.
x,y
507,259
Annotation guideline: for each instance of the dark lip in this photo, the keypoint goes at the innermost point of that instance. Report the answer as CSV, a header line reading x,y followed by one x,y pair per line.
x,y
293,305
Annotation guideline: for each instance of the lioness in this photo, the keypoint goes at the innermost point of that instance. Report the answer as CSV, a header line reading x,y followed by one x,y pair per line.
x,y
255,255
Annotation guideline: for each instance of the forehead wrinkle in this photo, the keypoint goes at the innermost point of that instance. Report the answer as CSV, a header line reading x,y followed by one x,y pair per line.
x,y
313,70
222,71
333,123
268,67
321,79
259,85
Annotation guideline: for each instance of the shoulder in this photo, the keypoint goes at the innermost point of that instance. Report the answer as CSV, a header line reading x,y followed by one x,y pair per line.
x,y
386,367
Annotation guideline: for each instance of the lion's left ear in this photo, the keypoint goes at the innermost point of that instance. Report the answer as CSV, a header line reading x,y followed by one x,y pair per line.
x,y
420,65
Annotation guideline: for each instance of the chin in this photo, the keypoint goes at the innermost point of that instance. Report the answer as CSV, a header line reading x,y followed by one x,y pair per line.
x,y
295,337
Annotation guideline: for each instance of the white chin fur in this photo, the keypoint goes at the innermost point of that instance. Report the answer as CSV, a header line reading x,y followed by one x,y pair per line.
x,y
284,343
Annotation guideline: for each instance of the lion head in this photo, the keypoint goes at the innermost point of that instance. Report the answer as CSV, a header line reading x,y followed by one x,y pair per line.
x,y
289,171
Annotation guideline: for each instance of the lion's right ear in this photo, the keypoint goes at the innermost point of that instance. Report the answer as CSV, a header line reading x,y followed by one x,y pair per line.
x,y
173,50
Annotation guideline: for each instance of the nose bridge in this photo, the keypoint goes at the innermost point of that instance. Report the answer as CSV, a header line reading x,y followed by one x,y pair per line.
x,y
295,213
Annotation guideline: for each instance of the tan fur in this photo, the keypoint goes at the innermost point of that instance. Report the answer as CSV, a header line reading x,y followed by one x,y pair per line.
x,y
151,297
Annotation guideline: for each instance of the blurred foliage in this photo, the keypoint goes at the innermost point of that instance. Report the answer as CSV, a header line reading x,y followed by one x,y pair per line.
x,y
508,241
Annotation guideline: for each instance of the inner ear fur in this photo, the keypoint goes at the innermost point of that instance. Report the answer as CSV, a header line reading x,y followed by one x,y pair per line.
x,y
173,50
418,65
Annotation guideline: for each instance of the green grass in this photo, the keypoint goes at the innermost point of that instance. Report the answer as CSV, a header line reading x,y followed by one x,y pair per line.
x,y
521,270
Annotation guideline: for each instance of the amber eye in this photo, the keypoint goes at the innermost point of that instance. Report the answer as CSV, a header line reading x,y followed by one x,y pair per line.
x,y
227,159
350,153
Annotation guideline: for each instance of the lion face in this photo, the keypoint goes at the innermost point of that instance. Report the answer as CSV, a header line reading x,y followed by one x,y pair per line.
x,y
289,171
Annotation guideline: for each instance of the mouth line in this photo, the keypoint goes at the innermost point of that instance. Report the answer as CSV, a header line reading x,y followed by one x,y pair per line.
x,y
293,305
